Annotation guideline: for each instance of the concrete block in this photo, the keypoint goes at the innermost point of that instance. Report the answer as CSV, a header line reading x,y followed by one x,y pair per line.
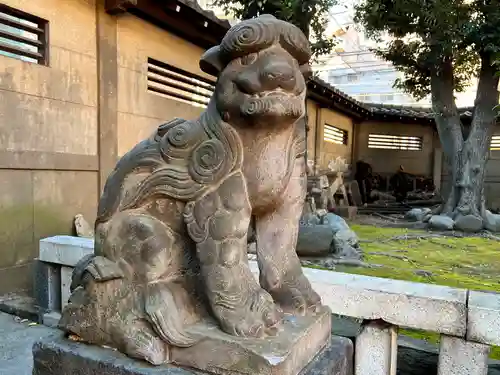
x,y
405,304
483,318
46,288
460,357
376,349
66,274
65,250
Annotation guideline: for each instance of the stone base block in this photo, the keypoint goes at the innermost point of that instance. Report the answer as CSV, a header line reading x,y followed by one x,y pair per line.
x,y
63,357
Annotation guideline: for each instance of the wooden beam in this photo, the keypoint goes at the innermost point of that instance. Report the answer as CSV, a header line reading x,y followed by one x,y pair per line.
x,y
119,6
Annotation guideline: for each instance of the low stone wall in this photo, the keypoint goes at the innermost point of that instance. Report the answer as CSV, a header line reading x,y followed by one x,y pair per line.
x,y
468,321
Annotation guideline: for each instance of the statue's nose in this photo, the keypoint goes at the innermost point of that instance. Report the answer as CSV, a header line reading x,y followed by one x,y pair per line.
x,y
278,74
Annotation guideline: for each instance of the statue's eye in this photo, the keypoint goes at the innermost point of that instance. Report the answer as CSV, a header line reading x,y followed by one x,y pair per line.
x,y
248,59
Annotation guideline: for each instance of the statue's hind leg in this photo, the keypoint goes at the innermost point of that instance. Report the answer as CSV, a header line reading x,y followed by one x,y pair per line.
x,y
141,312
218,222
160,263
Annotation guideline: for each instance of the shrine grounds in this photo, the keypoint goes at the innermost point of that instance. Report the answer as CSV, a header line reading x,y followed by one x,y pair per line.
x,y
454,260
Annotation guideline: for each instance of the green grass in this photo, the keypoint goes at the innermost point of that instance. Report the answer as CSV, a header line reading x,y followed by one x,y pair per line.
x,y
470,263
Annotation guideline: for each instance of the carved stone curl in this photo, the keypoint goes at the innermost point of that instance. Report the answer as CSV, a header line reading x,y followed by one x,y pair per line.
x,y
171,229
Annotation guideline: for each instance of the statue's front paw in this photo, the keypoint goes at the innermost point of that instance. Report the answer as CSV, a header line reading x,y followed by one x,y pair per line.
x,y
256,315
293,292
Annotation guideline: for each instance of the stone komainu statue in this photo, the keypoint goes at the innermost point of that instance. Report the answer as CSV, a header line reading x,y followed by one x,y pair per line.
x,y
171,231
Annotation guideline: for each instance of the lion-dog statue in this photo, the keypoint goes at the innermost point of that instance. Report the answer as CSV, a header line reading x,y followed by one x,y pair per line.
x,y
171,229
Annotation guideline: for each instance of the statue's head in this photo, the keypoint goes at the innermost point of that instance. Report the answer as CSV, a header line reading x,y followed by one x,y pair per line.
x,y
262,65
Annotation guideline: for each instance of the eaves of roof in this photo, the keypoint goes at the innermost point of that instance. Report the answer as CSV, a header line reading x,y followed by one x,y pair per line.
x,y
186,19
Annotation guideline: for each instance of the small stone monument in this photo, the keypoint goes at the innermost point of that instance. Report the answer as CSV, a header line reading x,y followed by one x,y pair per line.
x,y
170,283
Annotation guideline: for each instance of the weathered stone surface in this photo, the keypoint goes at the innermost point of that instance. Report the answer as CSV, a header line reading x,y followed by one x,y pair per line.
x,y
46,285
469,223
415,305
66,275
314,240
417,214
51,319
82,227
345,241
492,222
441,222
483,318
374,349
65,250
327,235
460,357
172,223
63,357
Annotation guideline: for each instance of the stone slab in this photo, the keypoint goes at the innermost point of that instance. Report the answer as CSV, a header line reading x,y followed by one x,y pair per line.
x,y
298,341
20,305
483,318
63,357
406,304
65,250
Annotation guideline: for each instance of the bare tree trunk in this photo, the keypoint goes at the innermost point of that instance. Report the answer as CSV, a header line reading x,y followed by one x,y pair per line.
x,y
467,156
448,125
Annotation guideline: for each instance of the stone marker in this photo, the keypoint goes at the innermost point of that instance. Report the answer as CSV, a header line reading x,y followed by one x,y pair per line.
x,y
355,193
82,227
169,281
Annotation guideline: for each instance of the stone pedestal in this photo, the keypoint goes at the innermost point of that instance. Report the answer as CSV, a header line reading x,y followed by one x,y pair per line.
x,y
63,357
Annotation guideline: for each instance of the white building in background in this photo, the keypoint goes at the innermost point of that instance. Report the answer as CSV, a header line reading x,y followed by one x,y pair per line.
x,y
353,68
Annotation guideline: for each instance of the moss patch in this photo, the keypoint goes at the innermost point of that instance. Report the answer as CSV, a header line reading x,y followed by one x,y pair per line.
x,y
469,263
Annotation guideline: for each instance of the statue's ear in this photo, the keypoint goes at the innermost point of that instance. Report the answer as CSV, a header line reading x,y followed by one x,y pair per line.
x,y
211,62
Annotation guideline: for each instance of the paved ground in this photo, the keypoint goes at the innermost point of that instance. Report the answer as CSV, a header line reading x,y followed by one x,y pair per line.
x,y
16,340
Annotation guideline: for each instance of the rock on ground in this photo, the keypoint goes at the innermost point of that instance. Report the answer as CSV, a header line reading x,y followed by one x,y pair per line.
x,y
441,222
327,235
469,223
492,222
417,214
